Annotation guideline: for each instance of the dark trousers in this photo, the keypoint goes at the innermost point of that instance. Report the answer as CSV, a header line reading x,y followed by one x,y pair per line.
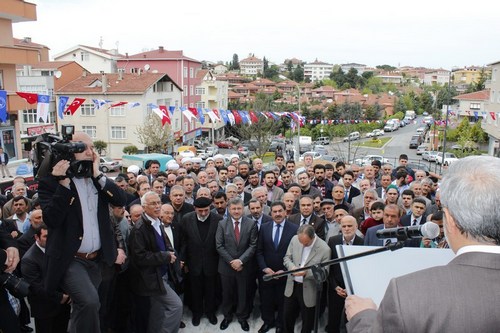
x,y
336,322
203,289
9,322
121,309
293,306
81,282
271,301
235,295
55,324
106,293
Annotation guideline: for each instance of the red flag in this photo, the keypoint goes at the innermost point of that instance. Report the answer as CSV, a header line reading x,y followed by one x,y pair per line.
x,y
253,117
29,97
75,105
492,114
165,118
193,111
118,104
237,117
216,112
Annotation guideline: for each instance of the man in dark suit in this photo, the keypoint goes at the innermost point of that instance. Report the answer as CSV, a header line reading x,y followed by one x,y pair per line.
x,y
306,216
151,254
321,183
256,214
236,242
273,242
350,191
336,285
9,258
200,256
391,220
472,230
417,216
76,210
28,238
50,309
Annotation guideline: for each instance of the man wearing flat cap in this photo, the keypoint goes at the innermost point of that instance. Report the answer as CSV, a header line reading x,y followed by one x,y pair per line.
x,y
200,256
332,227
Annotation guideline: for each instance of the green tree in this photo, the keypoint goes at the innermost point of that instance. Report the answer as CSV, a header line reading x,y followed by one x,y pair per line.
x,y
339,77
388,68
298,74
427,102
272,72
266,65
100,146
352,78
152,134
235,64
130,150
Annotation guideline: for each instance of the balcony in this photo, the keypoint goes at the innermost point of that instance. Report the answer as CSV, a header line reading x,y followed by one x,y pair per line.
x,y
15,55
17,11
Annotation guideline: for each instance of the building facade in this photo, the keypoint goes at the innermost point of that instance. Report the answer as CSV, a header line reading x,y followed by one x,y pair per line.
x,y
491,124
93,59
317,70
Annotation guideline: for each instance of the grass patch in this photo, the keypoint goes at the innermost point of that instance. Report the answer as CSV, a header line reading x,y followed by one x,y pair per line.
x,y
379,143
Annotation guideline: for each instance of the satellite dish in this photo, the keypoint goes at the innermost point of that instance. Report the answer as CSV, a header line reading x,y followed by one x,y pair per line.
x,y
147,67
57,74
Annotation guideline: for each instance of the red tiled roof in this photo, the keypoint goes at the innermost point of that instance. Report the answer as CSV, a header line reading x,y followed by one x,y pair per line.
x,y
51,64
160,54
482,95
251,59
108,52
24,43
131,83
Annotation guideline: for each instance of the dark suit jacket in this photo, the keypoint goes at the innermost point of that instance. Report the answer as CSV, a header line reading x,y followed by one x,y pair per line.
x,y
264,219
9,321
371,238
200,256
335,277
62,212
44,304
406,220
453,307
229,250
147,259
267,255
9,225
25,241
328,188
317,222
353,192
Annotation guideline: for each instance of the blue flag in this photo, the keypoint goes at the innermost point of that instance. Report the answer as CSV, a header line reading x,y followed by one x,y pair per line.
x,y
3,105
223,114
243,116
202,117
171,109
63,100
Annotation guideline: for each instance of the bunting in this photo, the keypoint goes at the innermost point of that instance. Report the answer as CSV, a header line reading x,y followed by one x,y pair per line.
x,y
63,100
29,97
493,116
75,105
3,105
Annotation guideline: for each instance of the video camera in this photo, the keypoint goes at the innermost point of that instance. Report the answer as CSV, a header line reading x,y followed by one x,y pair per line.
x,y
50,149
17,287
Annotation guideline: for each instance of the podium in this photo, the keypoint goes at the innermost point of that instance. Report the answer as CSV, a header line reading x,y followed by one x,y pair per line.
x,y
369,276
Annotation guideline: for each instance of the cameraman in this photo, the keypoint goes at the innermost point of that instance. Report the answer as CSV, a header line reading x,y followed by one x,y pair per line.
x,y
75,209
9,306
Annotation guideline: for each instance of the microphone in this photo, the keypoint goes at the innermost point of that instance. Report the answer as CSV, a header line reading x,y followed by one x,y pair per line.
x,y
427,230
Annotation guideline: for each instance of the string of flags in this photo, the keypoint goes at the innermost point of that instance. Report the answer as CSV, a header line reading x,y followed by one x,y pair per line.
x,y
229,117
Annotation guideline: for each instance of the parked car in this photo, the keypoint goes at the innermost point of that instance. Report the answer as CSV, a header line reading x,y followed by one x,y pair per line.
x,y
429,155
201,153
415,141
352,136
422,130
212,151
367,160
225,144
320,149
448,158
421,149
375,132
314,154
323,140
330,158
198,144
243,151
108,164
418,166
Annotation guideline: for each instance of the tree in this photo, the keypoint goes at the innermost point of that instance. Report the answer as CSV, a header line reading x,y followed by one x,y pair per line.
x,y
235,64
153,135
130,150
271,72
298,74
388,68
426,102
100,146
339,77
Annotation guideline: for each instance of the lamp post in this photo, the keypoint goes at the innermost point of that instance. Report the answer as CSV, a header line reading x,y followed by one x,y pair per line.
x,y
297,155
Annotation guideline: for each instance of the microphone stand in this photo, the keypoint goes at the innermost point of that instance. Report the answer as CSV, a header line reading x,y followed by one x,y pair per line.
x,y
320,274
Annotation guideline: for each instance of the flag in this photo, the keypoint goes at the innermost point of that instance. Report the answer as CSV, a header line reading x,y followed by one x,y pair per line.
x,y
118,104
29,97
3,105
98,103
63,100
244,117
211,115
171,109
75,105
223,115
165,118
216,113
193,111
493,116
201,116
230,117
185,111
237,117
476,115
160,111
253,117
42,109
133,105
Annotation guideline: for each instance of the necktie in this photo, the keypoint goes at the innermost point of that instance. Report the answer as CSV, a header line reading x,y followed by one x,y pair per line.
x,y
237,231
304,221
346,195
277,236
414,222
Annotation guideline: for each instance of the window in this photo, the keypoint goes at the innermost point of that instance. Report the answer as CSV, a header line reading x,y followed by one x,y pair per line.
x,y
47,73
117,111
87,110
29,116
200,105
185,72
118,132
200,91
191,72
84,56
191,90
36,89
90,130
475,106
185,90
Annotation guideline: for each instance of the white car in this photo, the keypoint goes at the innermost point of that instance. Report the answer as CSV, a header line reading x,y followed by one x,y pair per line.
x,y
187,153
212,151
201,154
375,132
429,155
314,154
448,158
421,149
367,160
108,164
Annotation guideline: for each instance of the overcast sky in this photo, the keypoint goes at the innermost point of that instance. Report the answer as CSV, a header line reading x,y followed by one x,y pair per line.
x,y
426,33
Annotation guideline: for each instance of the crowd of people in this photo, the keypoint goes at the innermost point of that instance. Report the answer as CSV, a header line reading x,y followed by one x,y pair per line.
x,y
131,254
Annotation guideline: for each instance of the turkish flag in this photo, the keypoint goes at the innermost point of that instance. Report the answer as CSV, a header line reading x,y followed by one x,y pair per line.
x,y
118,104
492,114
193,111
237,117
216,112
165,118
29,97
253,117
75,105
